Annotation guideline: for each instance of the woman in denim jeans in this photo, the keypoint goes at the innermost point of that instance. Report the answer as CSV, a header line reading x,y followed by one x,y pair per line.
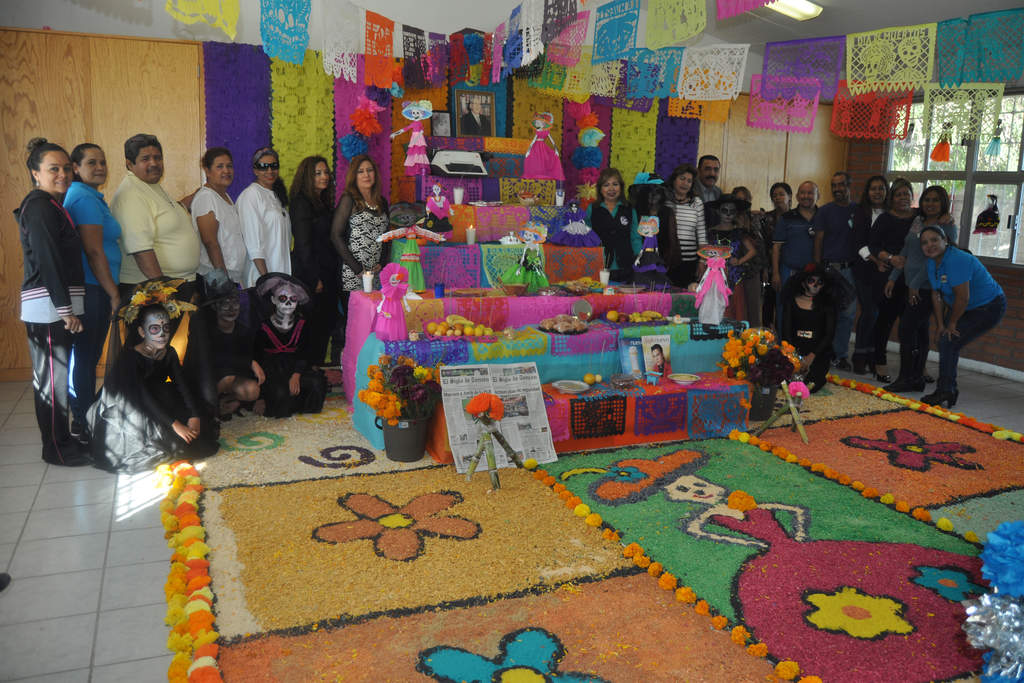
x,y
975,302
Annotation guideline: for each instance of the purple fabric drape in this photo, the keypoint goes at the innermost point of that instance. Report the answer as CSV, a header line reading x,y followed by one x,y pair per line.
x,y
676,141
237,86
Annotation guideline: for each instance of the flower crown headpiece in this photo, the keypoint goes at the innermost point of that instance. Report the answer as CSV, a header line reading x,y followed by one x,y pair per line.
x,y
160,292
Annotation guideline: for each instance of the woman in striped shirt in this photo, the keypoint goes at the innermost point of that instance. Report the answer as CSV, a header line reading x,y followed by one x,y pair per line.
x,y
691,230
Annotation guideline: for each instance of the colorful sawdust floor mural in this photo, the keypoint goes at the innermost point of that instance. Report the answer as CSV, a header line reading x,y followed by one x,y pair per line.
x,y
700,560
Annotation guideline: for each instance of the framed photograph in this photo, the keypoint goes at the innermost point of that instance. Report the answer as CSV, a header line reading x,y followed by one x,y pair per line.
x,y
441,124
657,348
474,113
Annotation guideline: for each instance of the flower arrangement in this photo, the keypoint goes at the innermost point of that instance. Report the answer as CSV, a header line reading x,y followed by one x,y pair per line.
x,y
756,356
399,388
160,291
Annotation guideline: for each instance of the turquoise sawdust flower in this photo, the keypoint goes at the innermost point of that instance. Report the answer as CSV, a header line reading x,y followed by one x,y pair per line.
x,y
951,583
530,655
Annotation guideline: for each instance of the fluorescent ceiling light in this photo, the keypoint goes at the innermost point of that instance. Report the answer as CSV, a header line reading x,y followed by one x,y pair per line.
x,y
801,10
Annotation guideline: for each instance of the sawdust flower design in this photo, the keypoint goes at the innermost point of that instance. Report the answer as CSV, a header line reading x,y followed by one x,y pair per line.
x,y
950,582
849,611
398,532
529,654
909,450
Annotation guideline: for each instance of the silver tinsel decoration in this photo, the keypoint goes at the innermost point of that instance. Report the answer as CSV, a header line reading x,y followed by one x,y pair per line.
x,y
996,622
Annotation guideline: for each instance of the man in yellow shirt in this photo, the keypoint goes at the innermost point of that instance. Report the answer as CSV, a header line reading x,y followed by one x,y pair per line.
x,y
157,231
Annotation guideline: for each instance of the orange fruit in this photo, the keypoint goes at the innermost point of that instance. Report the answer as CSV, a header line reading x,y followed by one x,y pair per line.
x,y
589,378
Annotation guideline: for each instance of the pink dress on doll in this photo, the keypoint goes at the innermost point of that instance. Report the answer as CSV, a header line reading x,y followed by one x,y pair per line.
x,y
542,161
416,161
389,325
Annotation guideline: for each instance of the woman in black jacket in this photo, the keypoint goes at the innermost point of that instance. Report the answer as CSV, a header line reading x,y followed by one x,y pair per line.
x,y
314,260
52,295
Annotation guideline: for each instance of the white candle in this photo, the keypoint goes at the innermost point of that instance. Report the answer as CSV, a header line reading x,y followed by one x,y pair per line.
x,y
605,276
367,281
471,235
457,194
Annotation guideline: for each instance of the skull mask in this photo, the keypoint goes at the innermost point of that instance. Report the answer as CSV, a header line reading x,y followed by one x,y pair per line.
x,y
155,330
727,212
286,300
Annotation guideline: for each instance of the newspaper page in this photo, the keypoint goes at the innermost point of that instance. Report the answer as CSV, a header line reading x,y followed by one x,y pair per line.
x,y
525,424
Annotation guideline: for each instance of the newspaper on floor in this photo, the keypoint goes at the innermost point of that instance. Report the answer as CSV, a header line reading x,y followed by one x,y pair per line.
x,y
525,424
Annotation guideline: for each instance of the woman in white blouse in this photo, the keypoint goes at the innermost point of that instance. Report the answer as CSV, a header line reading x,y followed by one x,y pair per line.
x,y
266,227
216,219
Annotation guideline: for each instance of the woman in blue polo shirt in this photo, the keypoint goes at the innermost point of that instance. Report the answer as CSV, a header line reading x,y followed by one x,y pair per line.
x,y
101,257
976,304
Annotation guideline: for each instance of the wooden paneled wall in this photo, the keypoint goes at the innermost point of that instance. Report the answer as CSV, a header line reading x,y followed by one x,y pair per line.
x,y
73,88
757,158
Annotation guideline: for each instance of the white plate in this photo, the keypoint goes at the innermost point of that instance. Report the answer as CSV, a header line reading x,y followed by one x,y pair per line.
x,y
570,386
683,378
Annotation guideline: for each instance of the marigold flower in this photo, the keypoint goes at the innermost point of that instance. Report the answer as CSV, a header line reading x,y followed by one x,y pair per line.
x,y
642,561
593,519
739,635
573,502
702,608
787,669
686,594
719,622
610,535
741,500
857,485
869,492
632,549
581,510
563,493
549,481
902,506
818,467
558,488
844,479
484,404
810,679
922,515
667,581
655,569
758,649
371,371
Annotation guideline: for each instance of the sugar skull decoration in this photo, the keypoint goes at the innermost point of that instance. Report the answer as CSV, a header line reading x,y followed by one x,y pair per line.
x,y
542,161
712,290
389,324
529,270
416,162
406,250
649,267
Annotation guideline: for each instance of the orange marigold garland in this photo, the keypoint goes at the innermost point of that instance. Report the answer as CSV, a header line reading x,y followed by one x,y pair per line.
x,y
189,598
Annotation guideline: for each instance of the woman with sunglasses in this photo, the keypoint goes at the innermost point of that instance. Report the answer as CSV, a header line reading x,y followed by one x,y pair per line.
x,y
966,301
266,226
811,301
291,385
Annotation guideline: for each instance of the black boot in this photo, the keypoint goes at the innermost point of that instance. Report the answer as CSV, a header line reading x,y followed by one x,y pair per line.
x,y
939,397
904,384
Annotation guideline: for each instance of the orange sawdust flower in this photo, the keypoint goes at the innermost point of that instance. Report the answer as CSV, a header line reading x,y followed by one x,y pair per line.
x,y
922,514
758,649
719,622
667,581
844,479
902,506
804,462
486,405
870,492
632,549
610,535
739,635
810,679
686,594
655,569
641,561
742,501
550,481
573,502
818,467
702,608
787,669
558,488
858,486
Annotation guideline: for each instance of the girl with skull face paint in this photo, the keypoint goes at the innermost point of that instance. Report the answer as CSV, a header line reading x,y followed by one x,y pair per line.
x,y
292,385
811,301
147,412
743,274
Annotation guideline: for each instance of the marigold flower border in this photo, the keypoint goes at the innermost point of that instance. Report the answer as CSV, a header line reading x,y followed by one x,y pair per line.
x,y
786,669
189,598
995,431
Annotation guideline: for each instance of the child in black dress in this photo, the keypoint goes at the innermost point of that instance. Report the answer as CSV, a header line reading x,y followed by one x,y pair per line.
x,y
811,301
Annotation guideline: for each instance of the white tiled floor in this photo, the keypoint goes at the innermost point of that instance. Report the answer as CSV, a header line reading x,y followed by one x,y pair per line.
x,y
89,562
88,559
